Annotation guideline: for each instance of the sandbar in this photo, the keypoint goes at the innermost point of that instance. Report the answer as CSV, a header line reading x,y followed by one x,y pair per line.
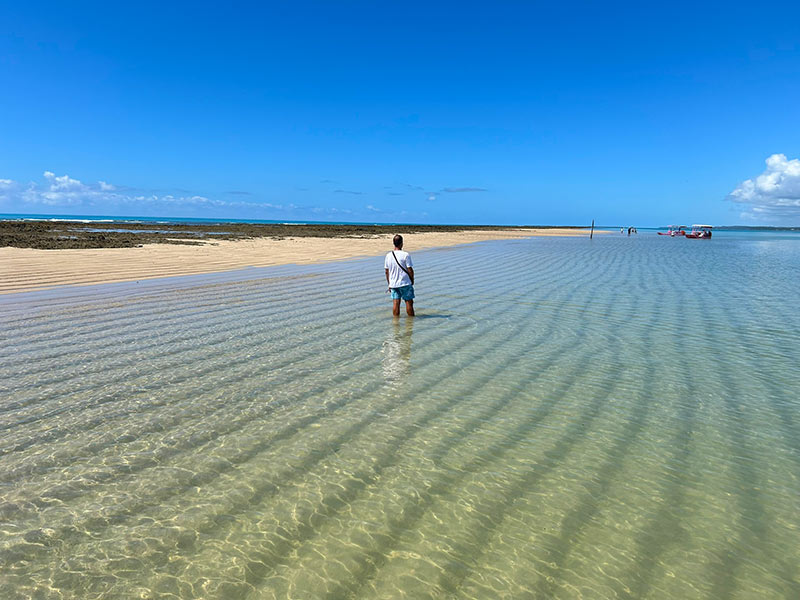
x,y
29,269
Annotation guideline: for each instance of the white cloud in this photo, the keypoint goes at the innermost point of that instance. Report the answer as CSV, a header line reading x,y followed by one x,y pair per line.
x,y
6,189
65,191
774,195
65,182
61,191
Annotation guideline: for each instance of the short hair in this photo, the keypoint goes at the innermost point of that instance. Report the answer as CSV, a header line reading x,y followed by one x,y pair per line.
x,y
397,241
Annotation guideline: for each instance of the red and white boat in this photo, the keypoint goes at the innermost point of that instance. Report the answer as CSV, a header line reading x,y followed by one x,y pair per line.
x,y
699,232
674,231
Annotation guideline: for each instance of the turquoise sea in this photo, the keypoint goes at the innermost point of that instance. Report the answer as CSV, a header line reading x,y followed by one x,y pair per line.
x,y
566,418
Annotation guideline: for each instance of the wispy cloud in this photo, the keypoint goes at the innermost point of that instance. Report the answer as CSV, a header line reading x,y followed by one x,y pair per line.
x,y
329,211
238,193
460,190
773,196
433,196
354,193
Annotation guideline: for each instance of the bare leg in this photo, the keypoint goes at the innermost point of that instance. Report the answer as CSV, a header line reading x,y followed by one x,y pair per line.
x,y
409,308
396,307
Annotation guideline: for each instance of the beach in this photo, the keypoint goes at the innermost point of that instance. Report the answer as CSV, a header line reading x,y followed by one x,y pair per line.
x,y
27,269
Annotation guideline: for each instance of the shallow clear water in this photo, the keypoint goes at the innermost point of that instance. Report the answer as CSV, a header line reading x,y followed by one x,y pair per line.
x,y
565,418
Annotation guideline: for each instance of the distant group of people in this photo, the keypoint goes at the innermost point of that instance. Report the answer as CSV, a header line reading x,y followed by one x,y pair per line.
x,y
630,230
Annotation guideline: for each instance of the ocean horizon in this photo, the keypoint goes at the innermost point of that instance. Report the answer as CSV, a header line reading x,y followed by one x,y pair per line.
x,y
199,220
566,418
163,220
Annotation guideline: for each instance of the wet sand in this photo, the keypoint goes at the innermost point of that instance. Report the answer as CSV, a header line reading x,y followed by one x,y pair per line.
x,y
28,269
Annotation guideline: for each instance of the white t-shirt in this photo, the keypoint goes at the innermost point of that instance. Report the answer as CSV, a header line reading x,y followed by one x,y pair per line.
x,y
398,277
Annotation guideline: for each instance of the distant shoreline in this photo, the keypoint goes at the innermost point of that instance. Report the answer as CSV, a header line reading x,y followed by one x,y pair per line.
x,y
213,221
750,228
49,234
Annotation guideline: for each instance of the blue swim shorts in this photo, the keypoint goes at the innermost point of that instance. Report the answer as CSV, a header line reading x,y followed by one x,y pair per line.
x,y
403,293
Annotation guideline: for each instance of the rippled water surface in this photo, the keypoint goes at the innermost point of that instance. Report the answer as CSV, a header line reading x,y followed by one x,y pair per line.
x,y
564,419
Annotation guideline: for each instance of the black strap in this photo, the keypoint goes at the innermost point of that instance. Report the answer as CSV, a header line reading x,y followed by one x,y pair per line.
x,y
401,266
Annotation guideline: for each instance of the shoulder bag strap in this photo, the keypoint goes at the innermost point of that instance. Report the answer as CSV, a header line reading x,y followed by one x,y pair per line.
x,y
399,265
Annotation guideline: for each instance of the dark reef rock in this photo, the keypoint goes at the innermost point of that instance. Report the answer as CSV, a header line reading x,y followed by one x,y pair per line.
x,y
53,235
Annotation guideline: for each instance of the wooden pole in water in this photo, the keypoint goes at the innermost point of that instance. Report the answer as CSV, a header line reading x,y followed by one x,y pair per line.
x,y
591,235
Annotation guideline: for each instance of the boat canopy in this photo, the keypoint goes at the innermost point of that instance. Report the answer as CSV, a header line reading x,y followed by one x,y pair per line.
x,y
703,226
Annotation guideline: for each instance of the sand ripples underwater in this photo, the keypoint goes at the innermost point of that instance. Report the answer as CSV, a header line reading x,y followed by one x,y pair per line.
x,y
565,419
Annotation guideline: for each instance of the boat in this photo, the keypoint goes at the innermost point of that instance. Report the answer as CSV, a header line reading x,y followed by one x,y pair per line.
x,y
699,232
674,231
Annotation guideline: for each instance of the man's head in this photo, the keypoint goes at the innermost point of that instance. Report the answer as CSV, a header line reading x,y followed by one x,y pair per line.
x,y
398,241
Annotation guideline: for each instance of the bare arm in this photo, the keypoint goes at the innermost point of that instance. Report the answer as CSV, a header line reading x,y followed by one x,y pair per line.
x,y
387,276
410,274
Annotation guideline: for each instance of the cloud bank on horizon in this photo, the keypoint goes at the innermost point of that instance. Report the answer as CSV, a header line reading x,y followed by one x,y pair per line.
x,y
60,192
773,196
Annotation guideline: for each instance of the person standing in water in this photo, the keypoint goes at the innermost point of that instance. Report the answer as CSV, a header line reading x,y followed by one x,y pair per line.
x,y
400,277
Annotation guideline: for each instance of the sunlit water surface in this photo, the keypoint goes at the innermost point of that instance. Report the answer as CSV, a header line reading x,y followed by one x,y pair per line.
x,y
565,418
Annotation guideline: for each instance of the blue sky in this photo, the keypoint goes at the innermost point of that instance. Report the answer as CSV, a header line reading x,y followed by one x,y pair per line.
x,y
438,112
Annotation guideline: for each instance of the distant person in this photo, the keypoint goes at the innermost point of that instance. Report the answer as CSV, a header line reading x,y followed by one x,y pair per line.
x,y
400,277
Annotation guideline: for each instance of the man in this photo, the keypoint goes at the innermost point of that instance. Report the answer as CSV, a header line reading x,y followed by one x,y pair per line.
x,y
400,277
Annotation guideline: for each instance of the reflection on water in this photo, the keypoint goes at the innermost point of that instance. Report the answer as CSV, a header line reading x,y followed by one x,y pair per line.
x,y
397,350
574,421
